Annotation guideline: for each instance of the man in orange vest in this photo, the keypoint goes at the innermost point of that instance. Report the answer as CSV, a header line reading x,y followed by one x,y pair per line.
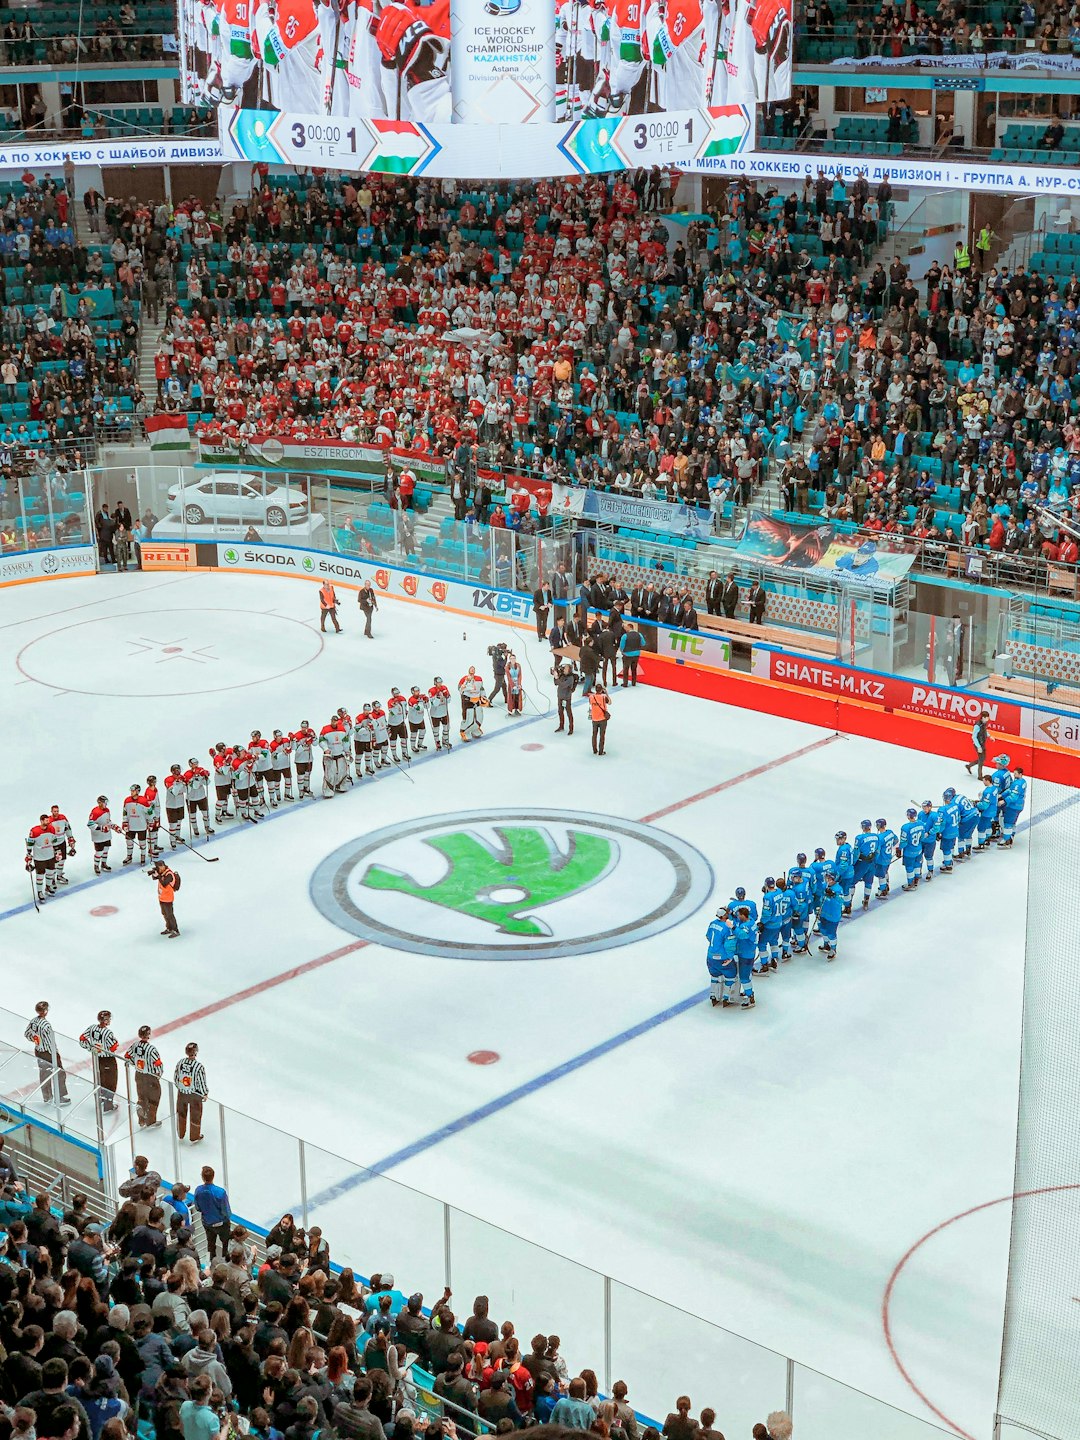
x,y
328,606
599,712
168,883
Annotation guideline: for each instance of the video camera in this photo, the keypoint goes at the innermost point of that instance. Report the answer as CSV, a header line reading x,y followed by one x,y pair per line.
x,y
501,648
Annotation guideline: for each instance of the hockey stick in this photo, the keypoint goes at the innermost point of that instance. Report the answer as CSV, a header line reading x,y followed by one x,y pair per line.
x,y
33,891
401,767
210,859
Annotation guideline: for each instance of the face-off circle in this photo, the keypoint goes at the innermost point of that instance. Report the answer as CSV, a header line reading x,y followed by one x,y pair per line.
x,y
511,884
169,652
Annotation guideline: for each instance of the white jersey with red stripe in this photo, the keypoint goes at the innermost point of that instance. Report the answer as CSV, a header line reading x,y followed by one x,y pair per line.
x,y
136,818
100,824
281,752
303,740
674,41
417,709
287,40
332,741
395,710
260,751
378,724
175,792
41,843
195,779
439,702
62,829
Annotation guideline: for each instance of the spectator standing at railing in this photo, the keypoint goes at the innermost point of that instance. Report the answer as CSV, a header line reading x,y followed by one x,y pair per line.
x,y
212,1203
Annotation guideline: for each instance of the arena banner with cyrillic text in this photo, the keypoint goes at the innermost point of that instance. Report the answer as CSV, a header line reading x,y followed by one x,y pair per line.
x,y
62,563
889,692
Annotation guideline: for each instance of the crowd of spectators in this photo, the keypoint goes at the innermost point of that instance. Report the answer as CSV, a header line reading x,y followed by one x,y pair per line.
x,y
905,28
116,1328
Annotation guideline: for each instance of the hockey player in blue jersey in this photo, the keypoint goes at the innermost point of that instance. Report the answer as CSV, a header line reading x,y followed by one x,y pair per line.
x,y
969,818
1001,779
1012,804
739,898
911,848
930,819
844,869
987,807
768,951
723,966
886,854
948,828
831,908
785,904
800,890
745,954
865,854
819,869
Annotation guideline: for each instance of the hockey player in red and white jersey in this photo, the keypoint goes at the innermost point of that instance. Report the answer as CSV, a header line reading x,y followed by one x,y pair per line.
x,y
416,711
41,857
622,61
281,763
381,735
65,841
287,42
197,780
152,802
221,758
135,825
439,712
364,743
242,764
673,39
579,41
333,744
175,802
101,827
394,59
235,60
395,724
302,742
260,779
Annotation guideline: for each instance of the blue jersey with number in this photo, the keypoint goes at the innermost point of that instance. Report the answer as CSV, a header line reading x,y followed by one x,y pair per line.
x,y
770,917
1016,795
911,837
734,906
949,824
843,866
865,846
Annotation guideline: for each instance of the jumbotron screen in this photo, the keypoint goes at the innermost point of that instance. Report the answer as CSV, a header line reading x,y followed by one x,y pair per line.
x,y
486,89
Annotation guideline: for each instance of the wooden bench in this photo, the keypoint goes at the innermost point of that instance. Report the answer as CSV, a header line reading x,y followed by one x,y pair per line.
x,y
1061,580
784,636
1036,692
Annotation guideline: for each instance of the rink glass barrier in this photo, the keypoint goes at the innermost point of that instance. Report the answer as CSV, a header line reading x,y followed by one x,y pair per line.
x,y
372,1222
43,511
940,627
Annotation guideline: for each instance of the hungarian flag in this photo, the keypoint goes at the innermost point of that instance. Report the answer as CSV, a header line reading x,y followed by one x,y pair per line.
x,y
728,125
167,432
399,148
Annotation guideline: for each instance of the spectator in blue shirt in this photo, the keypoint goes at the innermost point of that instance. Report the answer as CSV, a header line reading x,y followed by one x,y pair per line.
x,y
212,1203
198,1421
573,1409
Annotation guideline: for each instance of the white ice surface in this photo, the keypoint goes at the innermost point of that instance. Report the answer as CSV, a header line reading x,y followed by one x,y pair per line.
x,y
763,1170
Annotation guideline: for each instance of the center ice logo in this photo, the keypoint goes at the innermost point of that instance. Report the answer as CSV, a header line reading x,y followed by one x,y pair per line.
x,y
507,884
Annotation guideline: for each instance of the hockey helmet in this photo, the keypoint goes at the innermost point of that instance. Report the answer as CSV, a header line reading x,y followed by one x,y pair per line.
x,y
770,882
948,795
438,680
133,790
800,859
722,913
912,813
865,825
819,853
277,735
151,779
414,690
394,690
103,800
740,893
367,707
1001,761
305,724
256,734
840,835
175,769
881,824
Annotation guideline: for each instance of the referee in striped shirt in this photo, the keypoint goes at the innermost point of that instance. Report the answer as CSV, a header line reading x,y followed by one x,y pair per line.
x,y
103,1045
145,1058
189,1078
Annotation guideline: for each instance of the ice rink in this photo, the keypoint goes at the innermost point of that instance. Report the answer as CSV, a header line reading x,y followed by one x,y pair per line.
x,y
766,1170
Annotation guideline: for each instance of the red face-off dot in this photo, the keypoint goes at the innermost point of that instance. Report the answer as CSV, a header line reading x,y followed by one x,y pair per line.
x,y
172,649
532,746
483,1057
103,910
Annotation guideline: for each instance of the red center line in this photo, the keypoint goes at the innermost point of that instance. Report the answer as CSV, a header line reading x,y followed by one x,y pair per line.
x,y
738,779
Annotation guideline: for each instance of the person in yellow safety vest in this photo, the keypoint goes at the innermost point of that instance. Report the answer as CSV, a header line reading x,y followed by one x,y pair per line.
x,y
983,242
961,257
328,606
599,713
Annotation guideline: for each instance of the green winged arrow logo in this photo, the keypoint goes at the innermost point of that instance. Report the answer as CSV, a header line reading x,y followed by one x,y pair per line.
x,y
502,883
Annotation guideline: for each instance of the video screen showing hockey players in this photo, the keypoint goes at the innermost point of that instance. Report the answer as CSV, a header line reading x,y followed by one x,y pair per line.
x,y
500,62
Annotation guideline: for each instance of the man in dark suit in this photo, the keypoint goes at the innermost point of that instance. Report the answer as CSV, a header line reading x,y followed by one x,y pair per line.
x,y
730,598
714,593
687,618
543,599
650,611
756,601
557,634
637,601
561,585
573,633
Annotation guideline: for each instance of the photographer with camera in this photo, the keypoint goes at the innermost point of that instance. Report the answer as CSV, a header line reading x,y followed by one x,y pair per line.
x,y
498,653
168,883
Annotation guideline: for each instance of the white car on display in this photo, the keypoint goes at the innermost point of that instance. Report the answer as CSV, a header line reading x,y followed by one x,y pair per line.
x,y
229,495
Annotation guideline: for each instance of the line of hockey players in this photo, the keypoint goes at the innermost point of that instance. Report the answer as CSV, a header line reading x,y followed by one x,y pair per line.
x,y
250,779
813,897
390,60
